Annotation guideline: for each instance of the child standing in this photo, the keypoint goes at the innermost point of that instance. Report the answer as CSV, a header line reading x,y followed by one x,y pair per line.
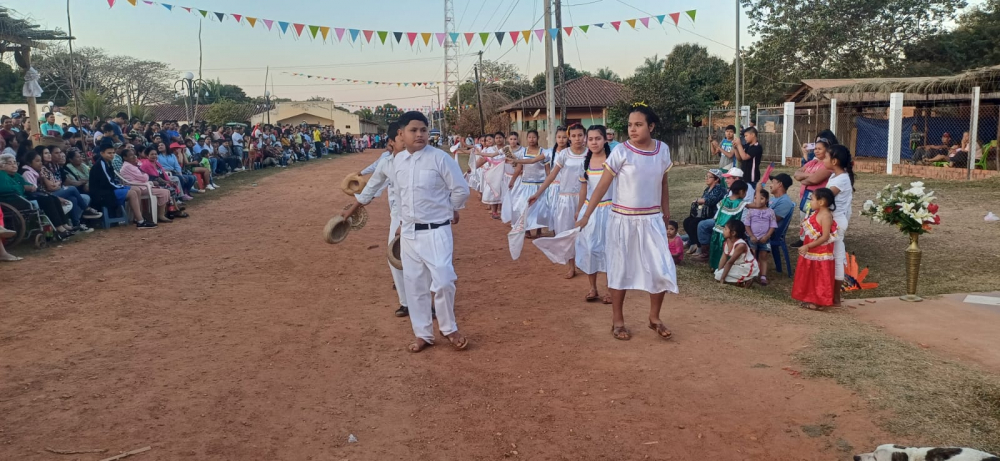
x,y
738,266
567,170
675,242
760,223
815,273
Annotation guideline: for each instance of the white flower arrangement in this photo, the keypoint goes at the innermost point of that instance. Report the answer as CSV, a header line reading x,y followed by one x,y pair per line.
x,y
911,210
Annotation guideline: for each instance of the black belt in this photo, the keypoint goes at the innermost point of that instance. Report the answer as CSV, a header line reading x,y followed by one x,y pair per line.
x,y
419,227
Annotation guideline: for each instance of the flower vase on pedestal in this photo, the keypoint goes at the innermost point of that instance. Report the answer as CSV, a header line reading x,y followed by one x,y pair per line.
x,y
912,269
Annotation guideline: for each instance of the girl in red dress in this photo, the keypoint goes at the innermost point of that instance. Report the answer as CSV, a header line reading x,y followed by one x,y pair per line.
x,y
814,275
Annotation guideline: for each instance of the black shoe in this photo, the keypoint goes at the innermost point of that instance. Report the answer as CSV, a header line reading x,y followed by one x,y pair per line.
x,y
145,225
797,244
403,311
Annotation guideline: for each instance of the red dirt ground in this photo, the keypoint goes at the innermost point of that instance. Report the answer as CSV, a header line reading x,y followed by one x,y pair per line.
x,y
239,334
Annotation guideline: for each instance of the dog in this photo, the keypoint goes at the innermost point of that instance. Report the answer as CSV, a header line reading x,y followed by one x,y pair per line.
x,y
891,452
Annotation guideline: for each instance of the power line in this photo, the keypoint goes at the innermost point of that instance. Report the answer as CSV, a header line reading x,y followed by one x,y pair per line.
x,y
462,17
481,5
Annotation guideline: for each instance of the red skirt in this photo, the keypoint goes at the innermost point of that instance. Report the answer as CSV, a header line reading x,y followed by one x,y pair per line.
x,y
814,281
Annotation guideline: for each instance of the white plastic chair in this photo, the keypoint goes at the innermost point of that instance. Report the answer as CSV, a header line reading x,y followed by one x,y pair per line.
x,y
149,194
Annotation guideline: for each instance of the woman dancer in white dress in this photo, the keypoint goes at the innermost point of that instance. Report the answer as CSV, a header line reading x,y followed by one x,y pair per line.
x,y
491,163
636,247
568,169
512,182
532,167
590,254
475,174
552,193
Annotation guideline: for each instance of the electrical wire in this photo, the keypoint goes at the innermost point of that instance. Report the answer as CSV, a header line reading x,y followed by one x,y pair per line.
x,y
462,17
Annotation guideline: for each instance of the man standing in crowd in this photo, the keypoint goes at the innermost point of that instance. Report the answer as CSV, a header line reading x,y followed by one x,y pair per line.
x,y
612,142
431,190
750,154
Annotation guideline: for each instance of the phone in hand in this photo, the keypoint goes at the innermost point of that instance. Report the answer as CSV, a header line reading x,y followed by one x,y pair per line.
x,y
810,146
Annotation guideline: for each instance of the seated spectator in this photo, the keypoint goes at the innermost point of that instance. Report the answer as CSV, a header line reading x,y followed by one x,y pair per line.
x,y
53,173
925,154
738,265
141,182
959,155
730,209
674,242
75,172
106,191
760,225
6,234
228,162
190,164
19,190
168,160
149,164
50,127
916,137
704,209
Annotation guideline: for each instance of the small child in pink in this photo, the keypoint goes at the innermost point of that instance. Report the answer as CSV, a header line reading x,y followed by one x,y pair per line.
x,y
675,243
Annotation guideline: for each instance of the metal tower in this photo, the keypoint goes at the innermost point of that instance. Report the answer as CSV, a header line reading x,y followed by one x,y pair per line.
x,y
451,79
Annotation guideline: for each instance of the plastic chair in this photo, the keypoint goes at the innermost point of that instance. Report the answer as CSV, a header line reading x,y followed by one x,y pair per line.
x,y
107,220
777,242
984,158
149,194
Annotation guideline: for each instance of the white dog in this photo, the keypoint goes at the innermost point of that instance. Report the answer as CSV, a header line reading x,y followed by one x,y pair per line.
x,y
899,453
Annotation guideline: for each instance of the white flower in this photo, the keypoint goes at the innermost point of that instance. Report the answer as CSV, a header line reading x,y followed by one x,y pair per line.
x,y
917,190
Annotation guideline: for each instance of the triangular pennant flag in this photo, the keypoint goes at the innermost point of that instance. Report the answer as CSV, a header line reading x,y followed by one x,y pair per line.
x,y
660,18
298,28
645,21
399,84
284,26
440,36
540,33
186,8
499,37
676,17
411,36
616,25
147,2
252,21
453,36
237,17
398,35
169,7
325,31
382,34
368,35
354,34
569,30
692,13
313,30
132,2
527,35
268,23
468,37
513,36
340,33
599,25
221,16
631,22
407,84
484,36
204,13
111,3
553,33
585,28
427,38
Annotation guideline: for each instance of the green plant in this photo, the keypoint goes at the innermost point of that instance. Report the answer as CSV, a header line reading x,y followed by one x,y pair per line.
x,y
93,104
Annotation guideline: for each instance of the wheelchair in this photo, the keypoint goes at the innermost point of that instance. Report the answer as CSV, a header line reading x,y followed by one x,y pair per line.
x,y
30,224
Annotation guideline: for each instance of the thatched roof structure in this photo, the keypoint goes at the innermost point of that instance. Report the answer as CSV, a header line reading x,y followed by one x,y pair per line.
x,y
874,89
22,33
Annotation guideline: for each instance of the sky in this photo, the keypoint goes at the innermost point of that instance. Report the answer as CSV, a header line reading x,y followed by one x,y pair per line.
x,y
238,54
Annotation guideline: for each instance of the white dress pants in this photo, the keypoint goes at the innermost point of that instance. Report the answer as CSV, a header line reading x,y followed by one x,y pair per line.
x,y
839,250
427,267
397,274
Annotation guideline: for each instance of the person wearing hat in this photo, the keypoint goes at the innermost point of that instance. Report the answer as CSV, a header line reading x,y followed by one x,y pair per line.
x,y
704,209
704,231
431,190
381,180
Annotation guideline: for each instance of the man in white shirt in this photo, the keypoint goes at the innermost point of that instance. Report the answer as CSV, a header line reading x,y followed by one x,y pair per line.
x,y
379,181
431,189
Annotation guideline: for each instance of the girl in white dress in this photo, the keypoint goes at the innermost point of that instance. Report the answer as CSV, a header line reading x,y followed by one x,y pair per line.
x,y
491,163
552,193
512,182
590,255
532,167
475,173
568,169
738,266
637,249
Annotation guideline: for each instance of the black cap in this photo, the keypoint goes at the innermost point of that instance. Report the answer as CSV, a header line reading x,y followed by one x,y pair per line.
x,y
784,179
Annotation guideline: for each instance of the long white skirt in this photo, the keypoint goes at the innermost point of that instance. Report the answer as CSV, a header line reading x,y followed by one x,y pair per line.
x,y
590,252
493,185
638,254
476,179
564,212
507,209
551,195
537,213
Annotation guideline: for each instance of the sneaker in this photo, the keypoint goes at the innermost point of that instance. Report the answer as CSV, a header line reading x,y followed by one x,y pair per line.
x,y
763,280
403,311
186,197
91,213
198,191
215,185
83,228
210,187
145,225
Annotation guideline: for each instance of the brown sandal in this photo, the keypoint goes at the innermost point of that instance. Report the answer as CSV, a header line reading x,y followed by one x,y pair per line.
x,y
621,333
661,330
606,299
461,343
418,345
593,298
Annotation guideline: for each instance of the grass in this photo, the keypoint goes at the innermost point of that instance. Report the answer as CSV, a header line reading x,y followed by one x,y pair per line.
x,y
912,392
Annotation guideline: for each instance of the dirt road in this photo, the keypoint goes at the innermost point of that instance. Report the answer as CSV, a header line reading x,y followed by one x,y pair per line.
x,y
239,334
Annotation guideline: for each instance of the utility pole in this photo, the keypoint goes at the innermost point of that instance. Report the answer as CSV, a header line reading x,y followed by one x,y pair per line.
x,y
550,95
441,111
562,69
739,110
451,79
72,65
479,98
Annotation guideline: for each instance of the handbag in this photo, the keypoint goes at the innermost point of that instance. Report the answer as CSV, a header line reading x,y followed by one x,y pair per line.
x,y
699,211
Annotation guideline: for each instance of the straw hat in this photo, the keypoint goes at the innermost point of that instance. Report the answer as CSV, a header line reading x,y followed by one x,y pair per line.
x,y
336,229
353,184
393,252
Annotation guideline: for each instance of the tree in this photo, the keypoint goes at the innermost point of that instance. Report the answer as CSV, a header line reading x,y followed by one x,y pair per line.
x,y
214,91
93,104
539,81
607,74
836,38
123,79
224,111
318,99
10,85
970,45
651,65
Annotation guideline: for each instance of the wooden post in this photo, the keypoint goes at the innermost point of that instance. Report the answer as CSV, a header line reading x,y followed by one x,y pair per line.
x,y
33,127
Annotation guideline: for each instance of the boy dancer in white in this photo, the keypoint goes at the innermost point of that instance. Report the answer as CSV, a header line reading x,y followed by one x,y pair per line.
x,y
431,190
379,181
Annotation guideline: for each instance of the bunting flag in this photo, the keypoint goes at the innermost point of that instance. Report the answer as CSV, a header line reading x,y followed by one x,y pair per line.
x,y
440,37
382,110
429,84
